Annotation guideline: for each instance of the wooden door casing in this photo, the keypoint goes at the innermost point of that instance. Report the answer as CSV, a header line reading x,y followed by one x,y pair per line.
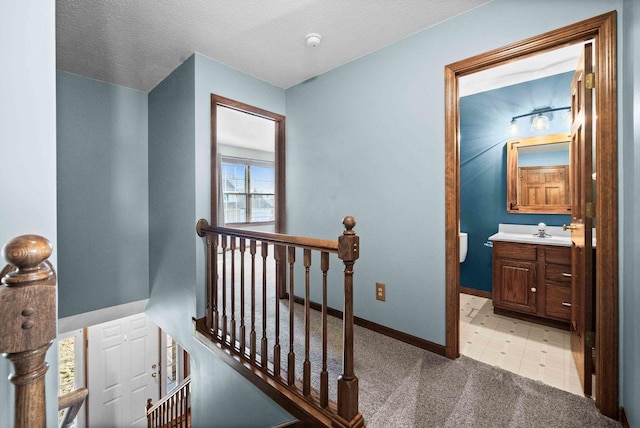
x,y
602,29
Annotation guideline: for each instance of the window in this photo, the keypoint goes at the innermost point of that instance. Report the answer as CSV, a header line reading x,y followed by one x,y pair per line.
x,y
71,368
172,363
248,188
176,364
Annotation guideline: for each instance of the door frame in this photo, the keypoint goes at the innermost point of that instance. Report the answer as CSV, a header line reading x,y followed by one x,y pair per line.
x,y
602,29
280,161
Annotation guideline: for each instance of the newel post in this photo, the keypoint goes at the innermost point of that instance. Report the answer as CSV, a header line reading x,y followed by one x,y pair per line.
x,y
348,252
28,323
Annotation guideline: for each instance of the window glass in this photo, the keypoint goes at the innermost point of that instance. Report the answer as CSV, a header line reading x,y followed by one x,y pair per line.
x,y
233,178
248,187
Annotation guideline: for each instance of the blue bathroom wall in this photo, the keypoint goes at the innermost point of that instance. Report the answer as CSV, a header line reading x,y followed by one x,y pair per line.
x,y
484,126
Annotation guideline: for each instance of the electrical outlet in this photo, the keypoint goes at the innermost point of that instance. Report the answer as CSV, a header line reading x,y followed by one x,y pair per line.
x,y
380,293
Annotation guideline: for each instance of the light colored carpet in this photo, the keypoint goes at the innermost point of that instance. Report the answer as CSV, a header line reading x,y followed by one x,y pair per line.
x,y
405,386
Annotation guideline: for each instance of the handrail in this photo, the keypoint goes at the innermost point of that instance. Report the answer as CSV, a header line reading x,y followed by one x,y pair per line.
x,y
28,320
173,410
202,227
73,401
182,385
232,251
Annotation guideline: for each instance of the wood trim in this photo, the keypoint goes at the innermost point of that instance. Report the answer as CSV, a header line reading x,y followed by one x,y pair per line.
x,y
602,29
623,418
378,328
280,158
474,292
606,134
202,227
452,213
403,337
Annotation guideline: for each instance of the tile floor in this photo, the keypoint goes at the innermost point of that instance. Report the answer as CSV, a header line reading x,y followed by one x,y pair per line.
x,y
528,349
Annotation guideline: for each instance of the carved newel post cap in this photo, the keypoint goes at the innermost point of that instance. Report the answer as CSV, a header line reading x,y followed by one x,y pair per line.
x,y
26,253
349,223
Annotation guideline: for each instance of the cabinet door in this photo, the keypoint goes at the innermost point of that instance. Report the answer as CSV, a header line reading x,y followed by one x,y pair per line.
x,y
515,285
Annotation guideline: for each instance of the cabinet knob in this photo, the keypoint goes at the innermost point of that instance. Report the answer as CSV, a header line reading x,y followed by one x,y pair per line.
x,y
567,275
567,304
534,289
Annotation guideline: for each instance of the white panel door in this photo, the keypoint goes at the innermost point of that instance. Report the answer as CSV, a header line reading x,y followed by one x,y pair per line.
x,y
123,364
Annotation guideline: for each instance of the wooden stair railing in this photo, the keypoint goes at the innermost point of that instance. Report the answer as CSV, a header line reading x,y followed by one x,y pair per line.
x,y
221,326
28,320
174,410
72,401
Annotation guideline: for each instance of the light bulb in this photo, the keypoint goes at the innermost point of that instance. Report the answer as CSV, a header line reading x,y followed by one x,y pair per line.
x,y
540,122
513,127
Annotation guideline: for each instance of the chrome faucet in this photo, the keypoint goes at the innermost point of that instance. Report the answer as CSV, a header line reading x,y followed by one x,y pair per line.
x,y
542,231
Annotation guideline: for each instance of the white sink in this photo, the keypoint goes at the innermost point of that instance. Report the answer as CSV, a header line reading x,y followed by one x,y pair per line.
x,y
527,234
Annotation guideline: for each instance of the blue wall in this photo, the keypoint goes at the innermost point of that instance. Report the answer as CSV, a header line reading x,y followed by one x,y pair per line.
x,y
28,151
629,209
484,128
362,123
376,127
179,194
103,213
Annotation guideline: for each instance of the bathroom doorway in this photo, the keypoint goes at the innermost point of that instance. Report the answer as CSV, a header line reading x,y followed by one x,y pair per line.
x,y
538,348
602,30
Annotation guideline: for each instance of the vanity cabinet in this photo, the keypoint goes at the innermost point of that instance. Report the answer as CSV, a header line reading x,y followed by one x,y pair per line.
x,y
532,279
557,283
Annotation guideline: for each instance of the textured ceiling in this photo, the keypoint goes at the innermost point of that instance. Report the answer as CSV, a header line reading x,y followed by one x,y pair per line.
x,y
137,43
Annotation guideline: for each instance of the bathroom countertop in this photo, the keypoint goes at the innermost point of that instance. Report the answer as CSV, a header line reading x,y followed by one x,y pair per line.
x,y
527,234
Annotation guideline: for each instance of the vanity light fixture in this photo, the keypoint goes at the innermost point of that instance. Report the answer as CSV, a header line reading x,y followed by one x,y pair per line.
x,y
540,118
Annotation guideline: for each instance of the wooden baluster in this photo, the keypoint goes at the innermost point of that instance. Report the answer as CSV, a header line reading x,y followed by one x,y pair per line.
x,y
28,322
178,407
252,334
186,407
214,282
291,361
185,403
277,255
233,292
306,366
263,348
224,287
348,250
324,374
172,409
243,248
209,310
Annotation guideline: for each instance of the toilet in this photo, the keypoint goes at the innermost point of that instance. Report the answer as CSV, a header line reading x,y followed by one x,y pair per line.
x,y
464,241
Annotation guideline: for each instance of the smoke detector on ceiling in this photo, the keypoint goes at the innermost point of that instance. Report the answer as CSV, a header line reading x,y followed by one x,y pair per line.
x,y
313,39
